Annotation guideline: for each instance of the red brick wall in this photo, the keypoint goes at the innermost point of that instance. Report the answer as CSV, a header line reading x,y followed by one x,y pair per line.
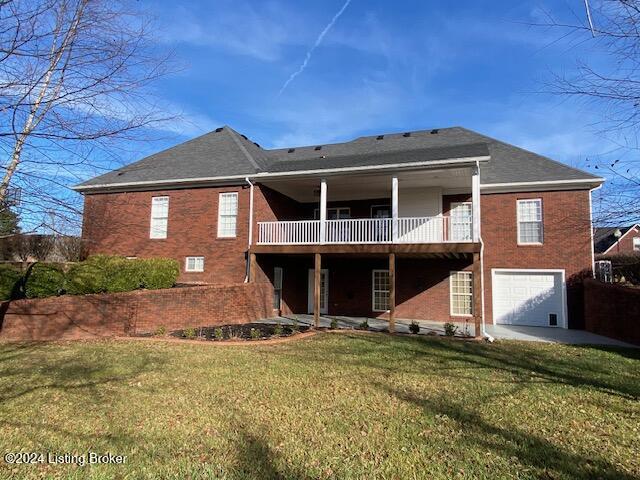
x,y
567,241
625,245
88,316
612,310
422,285
118,223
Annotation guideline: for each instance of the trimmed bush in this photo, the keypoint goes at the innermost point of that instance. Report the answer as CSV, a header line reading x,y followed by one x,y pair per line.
x,y
158,272
84,278
10,278
44,280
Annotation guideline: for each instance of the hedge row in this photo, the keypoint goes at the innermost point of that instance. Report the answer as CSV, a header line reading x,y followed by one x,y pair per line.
x,y
98,274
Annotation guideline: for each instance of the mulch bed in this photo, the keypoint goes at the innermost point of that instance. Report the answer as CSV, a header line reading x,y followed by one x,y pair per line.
x,y
236,332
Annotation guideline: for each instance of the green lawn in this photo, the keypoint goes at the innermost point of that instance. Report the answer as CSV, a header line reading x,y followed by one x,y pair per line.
x,y
331,406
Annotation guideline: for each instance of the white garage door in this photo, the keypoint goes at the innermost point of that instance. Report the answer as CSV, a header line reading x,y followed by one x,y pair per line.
x,y
525,297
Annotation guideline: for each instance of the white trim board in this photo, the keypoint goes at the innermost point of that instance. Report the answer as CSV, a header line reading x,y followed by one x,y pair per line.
x,y
565,319
540,186
274,175
637,225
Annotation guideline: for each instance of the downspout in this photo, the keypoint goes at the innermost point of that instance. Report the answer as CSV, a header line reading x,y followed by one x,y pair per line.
x,y
246,278
484,330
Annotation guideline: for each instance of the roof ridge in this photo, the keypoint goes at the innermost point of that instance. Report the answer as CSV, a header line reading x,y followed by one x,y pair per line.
x,y
234,135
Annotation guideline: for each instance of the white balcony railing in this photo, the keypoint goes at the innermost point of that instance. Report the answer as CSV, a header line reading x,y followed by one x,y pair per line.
x,y
367,230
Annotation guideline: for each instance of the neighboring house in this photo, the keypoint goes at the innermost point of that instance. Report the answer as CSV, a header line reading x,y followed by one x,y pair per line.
x,y
445,225
612,240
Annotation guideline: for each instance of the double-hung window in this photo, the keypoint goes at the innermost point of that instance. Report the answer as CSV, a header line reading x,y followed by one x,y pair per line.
x,y
227,214
530,230
159,217
461,289
194,264
636,244
380,292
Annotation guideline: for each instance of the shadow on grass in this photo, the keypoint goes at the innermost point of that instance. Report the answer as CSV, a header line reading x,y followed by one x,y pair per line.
x,y
530,450
35,367
524,363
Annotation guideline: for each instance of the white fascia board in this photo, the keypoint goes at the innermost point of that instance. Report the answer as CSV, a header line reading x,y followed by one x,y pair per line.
x,y
631,229
573,184
276,175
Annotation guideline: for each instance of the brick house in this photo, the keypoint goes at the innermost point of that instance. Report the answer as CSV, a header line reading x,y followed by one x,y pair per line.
x,y
444,225
613,240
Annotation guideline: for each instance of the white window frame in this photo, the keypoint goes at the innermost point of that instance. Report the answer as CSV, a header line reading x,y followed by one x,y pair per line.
x,y
157,218
373,290
636,244
452,207
222,214
195,264
523,200
452,274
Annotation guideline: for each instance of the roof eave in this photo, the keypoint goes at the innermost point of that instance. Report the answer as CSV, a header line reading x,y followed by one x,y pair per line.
x,y
222,180
543,185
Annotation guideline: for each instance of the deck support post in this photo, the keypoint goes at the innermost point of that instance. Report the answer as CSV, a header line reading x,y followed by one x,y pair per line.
x,y
477,296
252,267
392,293
316,290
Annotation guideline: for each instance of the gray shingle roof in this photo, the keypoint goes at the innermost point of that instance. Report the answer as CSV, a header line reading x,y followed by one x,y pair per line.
x,y
225,152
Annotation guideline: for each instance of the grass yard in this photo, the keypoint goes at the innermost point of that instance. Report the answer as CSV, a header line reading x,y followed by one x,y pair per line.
x,y
350,405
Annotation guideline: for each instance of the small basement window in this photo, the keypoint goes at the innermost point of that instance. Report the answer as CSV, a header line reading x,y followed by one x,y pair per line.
x,y
194,264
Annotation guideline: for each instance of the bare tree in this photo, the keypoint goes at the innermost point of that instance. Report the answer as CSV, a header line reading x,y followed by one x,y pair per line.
x,y
611,29
75,79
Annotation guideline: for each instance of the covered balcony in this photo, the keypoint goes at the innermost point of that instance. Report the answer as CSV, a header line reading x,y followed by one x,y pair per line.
x,y
408,208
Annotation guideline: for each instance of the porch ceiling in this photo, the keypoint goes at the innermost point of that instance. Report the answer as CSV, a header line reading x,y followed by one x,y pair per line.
x,y
361,187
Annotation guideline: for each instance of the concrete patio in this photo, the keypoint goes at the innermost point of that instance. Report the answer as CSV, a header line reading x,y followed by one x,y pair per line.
x,y
499,332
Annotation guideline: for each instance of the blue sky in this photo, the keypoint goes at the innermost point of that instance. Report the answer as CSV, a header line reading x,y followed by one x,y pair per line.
x,y
383,66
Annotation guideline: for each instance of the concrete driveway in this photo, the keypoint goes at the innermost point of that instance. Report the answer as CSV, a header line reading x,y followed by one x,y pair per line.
x,y
499,332
551,335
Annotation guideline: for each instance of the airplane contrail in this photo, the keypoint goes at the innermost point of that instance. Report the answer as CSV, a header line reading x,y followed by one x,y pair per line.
x,y
315,45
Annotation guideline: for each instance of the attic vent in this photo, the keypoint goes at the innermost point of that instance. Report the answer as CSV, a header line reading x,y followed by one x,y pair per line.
x,y
291,150
379,137
219,129
406,134
434,131
318,147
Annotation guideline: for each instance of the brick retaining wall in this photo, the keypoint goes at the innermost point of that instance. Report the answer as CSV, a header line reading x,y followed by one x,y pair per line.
x,y
612,311
104,315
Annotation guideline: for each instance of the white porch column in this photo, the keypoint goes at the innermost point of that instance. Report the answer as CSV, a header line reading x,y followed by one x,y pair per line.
x,y
323,210
394,209
475,199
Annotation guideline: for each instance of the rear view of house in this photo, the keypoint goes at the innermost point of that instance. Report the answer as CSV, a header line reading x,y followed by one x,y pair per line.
x,y
444,224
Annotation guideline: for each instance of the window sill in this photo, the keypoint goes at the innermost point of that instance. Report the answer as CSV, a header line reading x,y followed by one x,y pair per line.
x,y
464,315
530,244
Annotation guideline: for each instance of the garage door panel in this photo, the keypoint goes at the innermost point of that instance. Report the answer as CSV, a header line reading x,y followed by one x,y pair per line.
x,y
527,298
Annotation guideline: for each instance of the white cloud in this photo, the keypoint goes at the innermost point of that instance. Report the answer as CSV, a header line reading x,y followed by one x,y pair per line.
x,y
238,27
